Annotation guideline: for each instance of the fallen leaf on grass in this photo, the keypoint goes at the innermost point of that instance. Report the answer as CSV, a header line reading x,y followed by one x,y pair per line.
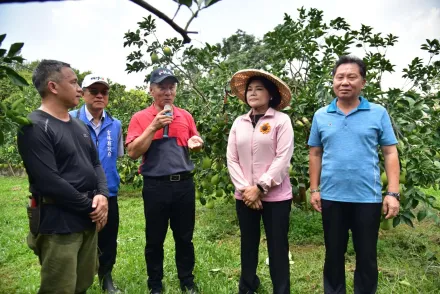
x,y
405,282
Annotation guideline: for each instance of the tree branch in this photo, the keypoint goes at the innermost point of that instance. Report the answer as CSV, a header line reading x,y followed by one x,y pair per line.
x,y
183,32
175,14
200,93
194,15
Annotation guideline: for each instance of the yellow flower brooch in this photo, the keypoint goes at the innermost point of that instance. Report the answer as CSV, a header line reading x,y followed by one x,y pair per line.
x,y
265,128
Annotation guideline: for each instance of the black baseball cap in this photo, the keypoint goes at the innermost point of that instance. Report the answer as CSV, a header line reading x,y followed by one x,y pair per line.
x,y
160,74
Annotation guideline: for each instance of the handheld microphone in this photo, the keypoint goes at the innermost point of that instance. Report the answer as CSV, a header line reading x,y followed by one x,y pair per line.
x,y
168,113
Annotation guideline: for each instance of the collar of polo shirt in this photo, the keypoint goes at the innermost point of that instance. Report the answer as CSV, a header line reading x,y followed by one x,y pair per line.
x,y
364,105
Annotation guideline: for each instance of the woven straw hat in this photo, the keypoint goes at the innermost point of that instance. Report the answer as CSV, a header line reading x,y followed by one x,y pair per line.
x,y
240,78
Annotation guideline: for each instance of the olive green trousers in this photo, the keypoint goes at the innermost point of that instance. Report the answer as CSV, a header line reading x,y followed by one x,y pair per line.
x,y
69,262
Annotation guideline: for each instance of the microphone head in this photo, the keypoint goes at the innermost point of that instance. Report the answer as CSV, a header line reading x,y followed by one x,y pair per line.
x,y
167,107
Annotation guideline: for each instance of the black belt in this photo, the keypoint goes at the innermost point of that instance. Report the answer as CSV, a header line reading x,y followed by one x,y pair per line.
x,y
47,200
50,200
172,178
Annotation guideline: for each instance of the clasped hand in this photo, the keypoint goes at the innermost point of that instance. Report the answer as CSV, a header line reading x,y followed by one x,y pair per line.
x,y
100,212
252,197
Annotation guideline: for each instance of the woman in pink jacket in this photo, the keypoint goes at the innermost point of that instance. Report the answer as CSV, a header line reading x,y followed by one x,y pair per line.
x,y
260,147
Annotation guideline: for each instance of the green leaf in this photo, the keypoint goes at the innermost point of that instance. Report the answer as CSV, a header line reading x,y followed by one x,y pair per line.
x,y
410,101
2,137
405,282
414,204
421,215
396,221
3,107
15,49
185,2
210,2
2,52
202,201
19,59
403,102
407,221
15,77
2,37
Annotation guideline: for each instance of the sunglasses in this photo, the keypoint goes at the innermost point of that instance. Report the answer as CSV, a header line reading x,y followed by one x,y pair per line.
x,y
95,92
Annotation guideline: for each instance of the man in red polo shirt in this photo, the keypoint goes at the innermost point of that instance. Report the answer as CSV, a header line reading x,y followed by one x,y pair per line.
x,y
168,190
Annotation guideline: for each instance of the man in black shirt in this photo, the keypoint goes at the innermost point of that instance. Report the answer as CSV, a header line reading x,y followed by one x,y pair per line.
x,y
66,181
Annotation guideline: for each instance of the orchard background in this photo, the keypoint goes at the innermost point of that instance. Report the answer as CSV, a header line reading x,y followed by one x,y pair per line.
x,y
302,50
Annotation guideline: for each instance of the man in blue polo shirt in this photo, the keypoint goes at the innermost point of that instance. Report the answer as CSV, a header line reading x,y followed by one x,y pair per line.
x,y
106,132
345,181
168,192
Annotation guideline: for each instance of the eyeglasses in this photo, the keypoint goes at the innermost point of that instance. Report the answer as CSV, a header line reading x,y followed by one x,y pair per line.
x,y
95,92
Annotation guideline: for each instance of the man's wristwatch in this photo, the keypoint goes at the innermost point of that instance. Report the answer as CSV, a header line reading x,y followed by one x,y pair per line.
x,y
314,190
395,195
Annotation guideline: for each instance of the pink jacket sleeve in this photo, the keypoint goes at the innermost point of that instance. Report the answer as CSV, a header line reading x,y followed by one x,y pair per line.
x,y
279,168
235,171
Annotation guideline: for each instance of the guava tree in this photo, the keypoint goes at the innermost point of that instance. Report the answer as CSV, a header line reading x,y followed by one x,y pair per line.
x,y
11,114
302,52
122,105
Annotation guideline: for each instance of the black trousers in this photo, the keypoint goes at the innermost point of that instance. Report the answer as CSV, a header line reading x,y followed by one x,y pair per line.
x,y
174,202
276,225
363,219
107,238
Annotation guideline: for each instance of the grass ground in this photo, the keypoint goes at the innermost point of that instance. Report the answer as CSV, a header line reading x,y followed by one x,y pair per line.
x,y
409,259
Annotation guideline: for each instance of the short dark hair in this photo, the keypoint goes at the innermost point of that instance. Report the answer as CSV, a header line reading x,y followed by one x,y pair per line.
x,y
269,86
47,70
351,59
